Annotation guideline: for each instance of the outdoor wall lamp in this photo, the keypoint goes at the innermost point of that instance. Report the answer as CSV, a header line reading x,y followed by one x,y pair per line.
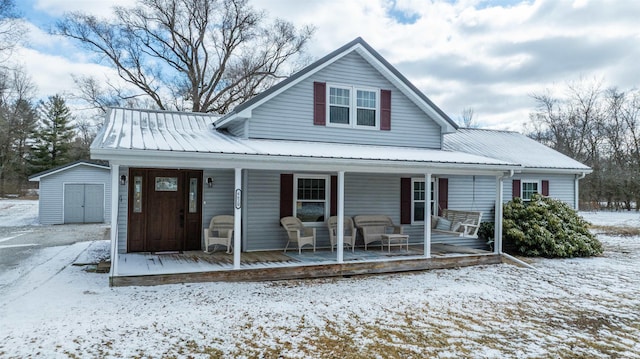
x,y
123,180
209,182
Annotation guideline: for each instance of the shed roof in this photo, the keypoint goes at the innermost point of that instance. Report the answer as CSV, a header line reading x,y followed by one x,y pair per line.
x,y
512,147
36,177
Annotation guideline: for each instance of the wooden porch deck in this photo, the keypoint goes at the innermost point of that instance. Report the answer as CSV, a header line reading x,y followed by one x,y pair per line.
x,y
196,266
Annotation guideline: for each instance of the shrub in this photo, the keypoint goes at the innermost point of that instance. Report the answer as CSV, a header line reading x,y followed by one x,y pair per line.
x,y
486,232
547,227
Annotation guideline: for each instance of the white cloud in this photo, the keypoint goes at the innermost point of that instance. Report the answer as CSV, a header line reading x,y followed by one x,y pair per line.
x,y
468,53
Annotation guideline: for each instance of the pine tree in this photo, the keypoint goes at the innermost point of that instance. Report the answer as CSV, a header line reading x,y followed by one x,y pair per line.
x,y
55,136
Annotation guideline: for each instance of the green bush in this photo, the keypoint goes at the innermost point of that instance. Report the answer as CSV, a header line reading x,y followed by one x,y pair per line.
x,y
547,227
486,232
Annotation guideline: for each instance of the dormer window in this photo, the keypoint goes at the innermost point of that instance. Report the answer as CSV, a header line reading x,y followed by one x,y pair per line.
x,y
352,107
347,103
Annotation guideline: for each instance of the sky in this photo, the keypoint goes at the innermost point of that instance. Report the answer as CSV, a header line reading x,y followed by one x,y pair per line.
x,y
486,55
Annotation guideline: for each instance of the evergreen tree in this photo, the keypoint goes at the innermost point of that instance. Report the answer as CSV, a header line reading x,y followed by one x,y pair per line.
x,y
55,136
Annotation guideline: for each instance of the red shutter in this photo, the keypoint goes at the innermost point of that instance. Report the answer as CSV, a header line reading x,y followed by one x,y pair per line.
x,y
385,110
545,188
333,206
319,103
515,190
405,200
443,194
286,195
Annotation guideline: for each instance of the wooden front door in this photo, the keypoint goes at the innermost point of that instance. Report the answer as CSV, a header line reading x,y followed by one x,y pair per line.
x,y
164,210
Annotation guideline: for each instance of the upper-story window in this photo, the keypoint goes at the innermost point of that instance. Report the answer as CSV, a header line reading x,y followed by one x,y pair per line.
x,y
353,107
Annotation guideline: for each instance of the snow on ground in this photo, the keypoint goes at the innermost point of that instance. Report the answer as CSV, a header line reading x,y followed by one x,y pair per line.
x,y
17,213
563,308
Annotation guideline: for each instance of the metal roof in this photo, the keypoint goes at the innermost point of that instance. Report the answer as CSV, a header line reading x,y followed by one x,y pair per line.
x,y
511,147
128,131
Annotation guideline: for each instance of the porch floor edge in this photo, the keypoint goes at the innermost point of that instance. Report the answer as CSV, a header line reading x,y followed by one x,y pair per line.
x,y
308,271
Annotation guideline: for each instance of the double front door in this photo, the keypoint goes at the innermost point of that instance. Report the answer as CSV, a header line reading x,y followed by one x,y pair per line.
x,y
164,210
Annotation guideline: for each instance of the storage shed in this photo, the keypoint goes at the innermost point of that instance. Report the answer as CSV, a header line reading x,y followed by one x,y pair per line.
x,y
77,192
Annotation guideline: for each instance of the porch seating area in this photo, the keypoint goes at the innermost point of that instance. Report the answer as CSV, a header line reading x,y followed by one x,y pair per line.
x,y
373,227
457,223
349,232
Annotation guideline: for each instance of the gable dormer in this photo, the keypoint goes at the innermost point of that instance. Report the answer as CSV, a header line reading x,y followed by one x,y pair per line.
x,y
353,96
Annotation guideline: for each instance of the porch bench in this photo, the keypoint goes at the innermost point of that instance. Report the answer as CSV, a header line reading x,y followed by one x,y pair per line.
x,y
373,227
457,223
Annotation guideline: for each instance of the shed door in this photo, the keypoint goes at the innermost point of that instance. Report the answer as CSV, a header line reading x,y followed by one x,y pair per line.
x,y
83,203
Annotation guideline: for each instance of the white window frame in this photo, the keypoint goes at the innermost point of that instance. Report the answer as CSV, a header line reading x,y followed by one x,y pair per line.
x,y
434,199
327,195
522,183
353,106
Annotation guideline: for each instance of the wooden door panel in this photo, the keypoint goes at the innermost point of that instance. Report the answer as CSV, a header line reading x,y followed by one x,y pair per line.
x,y
164,225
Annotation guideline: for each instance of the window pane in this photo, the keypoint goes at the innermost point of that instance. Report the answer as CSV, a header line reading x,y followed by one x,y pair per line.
x,y
418,191
528,189
311,189
339,115
418,211
366,117
310,211
338,96
366,99
193,195
137,194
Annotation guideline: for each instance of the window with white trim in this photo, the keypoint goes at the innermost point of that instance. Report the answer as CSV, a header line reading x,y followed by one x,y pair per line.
x,y
347,103
311,198
528,189
418,199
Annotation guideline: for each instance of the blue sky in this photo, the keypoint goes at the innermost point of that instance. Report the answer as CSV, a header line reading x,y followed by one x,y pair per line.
x,y
489,55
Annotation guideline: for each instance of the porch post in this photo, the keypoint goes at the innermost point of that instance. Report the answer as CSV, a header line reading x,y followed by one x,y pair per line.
x,y
427,215
497,241
237,219
115,195
340,215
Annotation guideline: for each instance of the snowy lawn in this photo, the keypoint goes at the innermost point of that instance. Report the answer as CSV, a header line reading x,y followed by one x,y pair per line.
x,y
565,308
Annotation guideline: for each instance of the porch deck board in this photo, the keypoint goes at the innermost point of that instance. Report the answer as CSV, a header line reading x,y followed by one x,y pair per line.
x,y
196,266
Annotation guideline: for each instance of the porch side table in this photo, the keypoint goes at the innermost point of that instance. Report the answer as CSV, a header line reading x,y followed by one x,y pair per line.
x,y
395,240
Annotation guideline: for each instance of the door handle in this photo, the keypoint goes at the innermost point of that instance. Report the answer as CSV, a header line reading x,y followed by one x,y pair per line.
x,y
182,218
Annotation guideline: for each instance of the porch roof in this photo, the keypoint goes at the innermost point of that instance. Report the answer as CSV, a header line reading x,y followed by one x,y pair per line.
x,y
180,137
511,147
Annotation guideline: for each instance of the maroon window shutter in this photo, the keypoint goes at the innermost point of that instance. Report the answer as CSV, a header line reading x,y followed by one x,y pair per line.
x,y
333,206
515,191
443,194
319,103
385,110
405,200
545,188
286,195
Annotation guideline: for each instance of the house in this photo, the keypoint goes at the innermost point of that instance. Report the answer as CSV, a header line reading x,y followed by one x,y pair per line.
x,y
347,135
78,192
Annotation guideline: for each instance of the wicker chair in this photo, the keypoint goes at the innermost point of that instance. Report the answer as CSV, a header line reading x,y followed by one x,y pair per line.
x,y
219,232
349,235
298,233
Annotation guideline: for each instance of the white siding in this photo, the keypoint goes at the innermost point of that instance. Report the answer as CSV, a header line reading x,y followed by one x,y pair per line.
x,y
290,114
51,201
560,186
123,199
473,193
218,199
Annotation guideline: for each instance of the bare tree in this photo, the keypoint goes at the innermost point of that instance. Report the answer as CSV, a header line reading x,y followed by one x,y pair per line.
x,y
466,118
202,55
10,29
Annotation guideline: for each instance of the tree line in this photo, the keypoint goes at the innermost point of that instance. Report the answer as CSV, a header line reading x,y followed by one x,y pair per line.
x,y
600,127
